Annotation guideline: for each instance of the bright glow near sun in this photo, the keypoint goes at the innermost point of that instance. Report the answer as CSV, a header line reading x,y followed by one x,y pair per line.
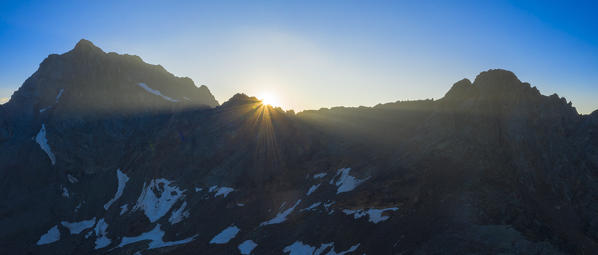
x,y
269,99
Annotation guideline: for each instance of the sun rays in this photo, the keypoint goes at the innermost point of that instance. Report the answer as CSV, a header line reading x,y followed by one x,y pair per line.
x,y
269,98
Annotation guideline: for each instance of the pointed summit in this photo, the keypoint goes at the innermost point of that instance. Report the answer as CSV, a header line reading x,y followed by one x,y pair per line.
x,y
86,46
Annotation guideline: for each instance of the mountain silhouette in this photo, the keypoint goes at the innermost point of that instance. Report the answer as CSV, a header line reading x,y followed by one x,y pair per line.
x,y
101,153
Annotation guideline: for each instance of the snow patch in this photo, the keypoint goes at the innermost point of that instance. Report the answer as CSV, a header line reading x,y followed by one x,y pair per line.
x,y
226,235
51,236
157,198
71,178
41,139
78,227
311,207
198,189
324,247
179,215
100,230
155,237
320,175
346,182
246,247
312,189
328,205
223,191
374,215
65,192
155,92
351,249
281,216
122,180
59,95
123,209
299,248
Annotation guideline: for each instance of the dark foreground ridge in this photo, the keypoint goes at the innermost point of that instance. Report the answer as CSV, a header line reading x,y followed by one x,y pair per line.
x,y
102,153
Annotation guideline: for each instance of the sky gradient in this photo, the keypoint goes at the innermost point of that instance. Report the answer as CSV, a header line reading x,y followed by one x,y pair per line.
x,y
321,54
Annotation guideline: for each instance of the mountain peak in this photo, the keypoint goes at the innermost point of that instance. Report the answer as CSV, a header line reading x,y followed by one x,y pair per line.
x,y
86,46
241,99
495,80
459,90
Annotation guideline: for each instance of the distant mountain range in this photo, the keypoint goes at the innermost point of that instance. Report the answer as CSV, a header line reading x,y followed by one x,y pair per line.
x,y
101,153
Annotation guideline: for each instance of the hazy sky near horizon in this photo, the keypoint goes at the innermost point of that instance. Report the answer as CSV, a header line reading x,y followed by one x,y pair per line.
x,y
314,54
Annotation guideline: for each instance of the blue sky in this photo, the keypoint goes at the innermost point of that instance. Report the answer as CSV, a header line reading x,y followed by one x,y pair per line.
x,y
314,54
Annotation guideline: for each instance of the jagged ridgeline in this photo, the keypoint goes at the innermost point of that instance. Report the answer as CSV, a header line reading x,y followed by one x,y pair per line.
x,y
101,153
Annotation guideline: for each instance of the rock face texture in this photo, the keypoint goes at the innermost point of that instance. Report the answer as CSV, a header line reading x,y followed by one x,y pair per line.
x,y
102,153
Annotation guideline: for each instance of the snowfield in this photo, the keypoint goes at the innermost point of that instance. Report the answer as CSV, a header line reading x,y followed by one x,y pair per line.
x,y
155,205
345,182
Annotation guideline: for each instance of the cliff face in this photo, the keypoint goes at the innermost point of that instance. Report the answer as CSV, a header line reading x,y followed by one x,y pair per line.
x,y
102,153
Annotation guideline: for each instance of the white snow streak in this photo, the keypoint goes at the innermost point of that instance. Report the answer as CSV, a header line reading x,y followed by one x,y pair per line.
x,y
155,92
226,235
71,178
320,175
179,215
351,249
122,180
124,208
312,189
281,216
223,191
59,95
311,207
156,237
40,138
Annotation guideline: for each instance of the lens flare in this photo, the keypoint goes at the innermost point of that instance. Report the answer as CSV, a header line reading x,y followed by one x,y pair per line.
x,y
269,99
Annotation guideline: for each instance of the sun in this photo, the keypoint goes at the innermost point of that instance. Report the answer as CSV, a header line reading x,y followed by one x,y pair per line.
x,y
269,99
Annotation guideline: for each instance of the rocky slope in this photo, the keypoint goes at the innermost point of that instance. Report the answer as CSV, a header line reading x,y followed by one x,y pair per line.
x,y
104,154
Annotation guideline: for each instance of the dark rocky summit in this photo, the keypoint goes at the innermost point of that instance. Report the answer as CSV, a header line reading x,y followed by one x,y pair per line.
x,y
102,153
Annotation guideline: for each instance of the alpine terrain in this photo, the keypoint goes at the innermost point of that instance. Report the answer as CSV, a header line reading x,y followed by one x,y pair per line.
x,y
102,153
